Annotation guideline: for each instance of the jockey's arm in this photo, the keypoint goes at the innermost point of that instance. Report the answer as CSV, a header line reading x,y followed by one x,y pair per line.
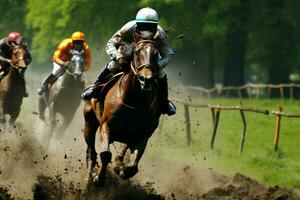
x,y
58,53
165,50
4,59
56,58
87,60
2,42
117,39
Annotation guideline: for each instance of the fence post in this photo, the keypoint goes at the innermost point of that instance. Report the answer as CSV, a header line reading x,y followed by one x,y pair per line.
x,y
240,93
277,130
292,92
213,116
257,92
188,124
249,91
244,129
217,116
269,92
281,91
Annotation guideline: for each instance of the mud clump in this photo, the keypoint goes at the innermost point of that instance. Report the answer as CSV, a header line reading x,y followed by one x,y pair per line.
x,y
4,194
242,187
53,188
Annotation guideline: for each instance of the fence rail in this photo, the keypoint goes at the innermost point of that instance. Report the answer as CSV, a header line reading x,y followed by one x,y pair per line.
x,y
252,90
216,110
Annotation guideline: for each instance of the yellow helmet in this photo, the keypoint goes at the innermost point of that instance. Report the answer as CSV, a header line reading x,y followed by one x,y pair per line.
x,y
78,36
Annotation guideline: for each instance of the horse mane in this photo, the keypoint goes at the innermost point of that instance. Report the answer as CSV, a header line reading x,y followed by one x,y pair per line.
x,y
127,49
146,35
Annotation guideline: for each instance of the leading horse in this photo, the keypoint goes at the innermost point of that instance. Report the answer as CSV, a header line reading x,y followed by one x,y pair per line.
x,y
12,86
128,114
63,97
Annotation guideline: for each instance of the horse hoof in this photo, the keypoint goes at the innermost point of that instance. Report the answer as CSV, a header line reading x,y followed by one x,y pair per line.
x,y
118,167
128,172
99,182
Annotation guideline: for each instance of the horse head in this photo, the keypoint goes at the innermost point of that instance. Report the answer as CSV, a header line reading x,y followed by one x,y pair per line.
x,y
77,62
18,58
144,63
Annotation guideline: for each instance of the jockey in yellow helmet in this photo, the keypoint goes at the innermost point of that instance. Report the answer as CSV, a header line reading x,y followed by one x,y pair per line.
x,y
146,21
61,58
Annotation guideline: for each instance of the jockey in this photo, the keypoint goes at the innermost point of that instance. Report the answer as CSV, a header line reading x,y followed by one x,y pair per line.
x,y
6,47
146,20
61,58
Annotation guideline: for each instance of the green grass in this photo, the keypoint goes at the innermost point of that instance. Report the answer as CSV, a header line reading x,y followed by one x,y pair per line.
x,y
258,159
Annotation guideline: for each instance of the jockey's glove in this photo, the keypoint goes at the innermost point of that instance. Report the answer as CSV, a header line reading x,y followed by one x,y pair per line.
x,y
122,61
8,60
5,59
66,64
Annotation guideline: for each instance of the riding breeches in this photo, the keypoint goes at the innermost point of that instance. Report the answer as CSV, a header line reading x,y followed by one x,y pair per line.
x,y
57,70
113,66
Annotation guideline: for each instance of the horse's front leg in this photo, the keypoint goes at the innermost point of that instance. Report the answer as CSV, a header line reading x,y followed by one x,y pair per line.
x,y
90,128
136,154
105,154
119,164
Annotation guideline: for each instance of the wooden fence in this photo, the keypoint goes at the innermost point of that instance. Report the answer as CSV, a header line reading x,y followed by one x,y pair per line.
x,y
216,110
251,90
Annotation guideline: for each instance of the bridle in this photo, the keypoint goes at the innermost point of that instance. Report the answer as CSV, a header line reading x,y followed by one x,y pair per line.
x,y
135,69
16,60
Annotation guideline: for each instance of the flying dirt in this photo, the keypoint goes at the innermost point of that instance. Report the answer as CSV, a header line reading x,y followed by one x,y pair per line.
x,y
30,171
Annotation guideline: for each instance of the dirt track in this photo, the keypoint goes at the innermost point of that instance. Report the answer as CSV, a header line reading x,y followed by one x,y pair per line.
x,y
28,171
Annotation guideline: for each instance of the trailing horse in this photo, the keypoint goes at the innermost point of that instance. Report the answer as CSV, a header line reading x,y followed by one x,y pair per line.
x,y
129,113
12,86
63,97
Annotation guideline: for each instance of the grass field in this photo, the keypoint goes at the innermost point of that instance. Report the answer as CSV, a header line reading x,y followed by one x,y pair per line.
x,y
258,159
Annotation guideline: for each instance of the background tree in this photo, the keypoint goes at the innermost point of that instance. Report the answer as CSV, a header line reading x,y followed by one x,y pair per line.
x,y
214,41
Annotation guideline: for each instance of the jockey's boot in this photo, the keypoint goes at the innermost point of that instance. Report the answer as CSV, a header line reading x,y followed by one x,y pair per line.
x,y
91,91
167,107
49,80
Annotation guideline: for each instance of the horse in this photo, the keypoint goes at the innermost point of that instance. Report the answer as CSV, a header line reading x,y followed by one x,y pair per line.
x,y
12,86
63,97
129,113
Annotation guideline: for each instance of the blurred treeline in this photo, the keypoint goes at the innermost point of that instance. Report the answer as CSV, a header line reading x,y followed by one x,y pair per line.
x,y
225,41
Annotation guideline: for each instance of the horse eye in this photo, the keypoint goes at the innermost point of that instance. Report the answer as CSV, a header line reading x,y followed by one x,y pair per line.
x,y
137,52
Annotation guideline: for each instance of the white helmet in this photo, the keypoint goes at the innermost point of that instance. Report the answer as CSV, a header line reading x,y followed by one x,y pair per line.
x,y
147,15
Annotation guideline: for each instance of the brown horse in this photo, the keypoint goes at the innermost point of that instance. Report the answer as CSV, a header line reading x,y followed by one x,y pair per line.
x,y
12,86
129,114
